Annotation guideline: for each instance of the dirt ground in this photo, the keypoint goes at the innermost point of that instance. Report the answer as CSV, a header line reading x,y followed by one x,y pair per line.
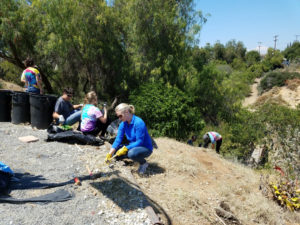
x,y
10,86
254,94
288,95
189,184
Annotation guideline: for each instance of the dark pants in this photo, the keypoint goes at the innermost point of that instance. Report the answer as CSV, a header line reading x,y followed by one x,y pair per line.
x,y
4,182
218,145
100,128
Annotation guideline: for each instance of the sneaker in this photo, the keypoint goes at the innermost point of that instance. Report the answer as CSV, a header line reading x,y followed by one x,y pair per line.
x,y
142,168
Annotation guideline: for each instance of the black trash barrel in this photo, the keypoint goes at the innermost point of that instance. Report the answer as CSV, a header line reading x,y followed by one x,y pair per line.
x,y
20,112
5,105
41,109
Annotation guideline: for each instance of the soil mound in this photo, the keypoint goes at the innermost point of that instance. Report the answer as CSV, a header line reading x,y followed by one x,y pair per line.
x,y
10,86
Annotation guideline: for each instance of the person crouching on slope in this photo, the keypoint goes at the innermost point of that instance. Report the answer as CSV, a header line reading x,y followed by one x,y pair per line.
x,y
213,137
140,144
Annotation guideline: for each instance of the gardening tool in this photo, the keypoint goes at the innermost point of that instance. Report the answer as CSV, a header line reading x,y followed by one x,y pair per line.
x,y
120,152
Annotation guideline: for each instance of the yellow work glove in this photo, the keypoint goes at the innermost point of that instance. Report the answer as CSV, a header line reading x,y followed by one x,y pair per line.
x,y
122,151
108,158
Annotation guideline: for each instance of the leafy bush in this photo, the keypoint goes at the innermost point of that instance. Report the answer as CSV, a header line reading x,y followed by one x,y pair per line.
x,y
273,59
280,116
252,57
257,69
283,136
242,134
239,64
274,126
166,110
275,78
224,69
205,87
292,52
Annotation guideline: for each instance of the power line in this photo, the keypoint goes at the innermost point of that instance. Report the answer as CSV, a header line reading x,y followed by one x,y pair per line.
x,y
259,45
275,40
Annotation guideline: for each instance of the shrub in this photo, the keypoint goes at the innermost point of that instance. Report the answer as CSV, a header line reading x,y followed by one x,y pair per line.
x,y
242,135
276,78
252,57
205,87
166,110
273,59
224,69
282,141
257,69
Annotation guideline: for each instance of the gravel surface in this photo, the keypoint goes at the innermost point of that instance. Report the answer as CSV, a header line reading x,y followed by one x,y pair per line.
x,y
111,198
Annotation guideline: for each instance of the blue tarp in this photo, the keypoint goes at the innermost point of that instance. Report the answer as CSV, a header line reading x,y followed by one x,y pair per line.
x,y
4,168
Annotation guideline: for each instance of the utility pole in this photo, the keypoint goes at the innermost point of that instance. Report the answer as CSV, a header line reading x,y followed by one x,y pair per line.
x,y
259,45
297,35
275,40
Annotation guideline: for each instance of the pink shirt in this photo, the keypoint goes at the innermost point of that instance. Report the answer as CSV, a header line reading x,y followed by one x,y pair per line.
x,y
90,115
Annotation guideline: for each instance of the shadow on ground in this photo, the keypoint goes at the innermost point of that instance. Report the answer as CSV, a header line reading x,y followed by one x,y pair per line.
x,y
127,195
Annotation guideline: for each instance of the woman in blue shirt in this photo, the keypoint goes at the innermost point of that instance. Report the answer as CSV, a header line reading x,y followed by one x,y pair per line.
x,y
140,144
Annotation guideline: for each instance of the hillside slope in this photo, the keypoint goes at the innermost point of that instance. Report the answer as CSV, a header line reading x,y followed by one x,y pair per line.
x,y
288,95
189,183
10,86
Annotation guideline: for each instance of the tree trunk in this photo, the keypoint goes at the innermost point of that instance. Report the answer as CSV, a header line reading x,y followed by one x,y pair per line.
x,y
46,82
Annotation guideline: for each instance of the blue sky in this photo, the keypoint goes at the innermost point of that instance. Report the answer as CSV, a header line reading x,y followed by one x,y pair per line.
x,y
250,21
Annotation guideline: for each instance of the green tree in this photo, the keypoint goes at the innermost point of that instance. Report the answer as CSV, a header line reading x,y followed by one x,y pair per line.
x,y
273,59
205,86
157,35
234,50
167,110
200,57
252,57
108,48
292,52
219,51
19,26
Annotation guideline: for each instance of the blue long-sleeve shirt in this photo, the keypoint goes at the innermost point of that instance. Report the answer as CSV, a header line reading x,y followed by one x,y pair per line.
x,y
136,133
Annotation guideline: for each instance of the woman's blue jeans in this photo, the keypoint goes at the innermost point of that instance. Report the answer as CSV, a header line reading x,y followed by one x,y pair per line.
x,y
33,90
73,118
139,154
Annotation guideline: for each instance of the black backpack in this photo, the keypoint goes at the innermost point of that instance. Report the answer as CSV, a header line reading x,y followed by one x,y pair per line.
x,y
4,182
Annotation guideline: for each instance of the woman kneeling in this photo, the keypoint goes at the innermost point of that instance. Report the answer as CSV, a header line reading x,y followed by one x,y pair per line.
x,y
140,144
92,119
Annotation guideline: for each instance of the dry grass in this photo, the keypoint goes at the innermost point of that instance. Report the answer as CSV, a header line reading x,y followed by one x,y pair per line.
x,y
288,95
293,84
271,98
190,182
10,86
